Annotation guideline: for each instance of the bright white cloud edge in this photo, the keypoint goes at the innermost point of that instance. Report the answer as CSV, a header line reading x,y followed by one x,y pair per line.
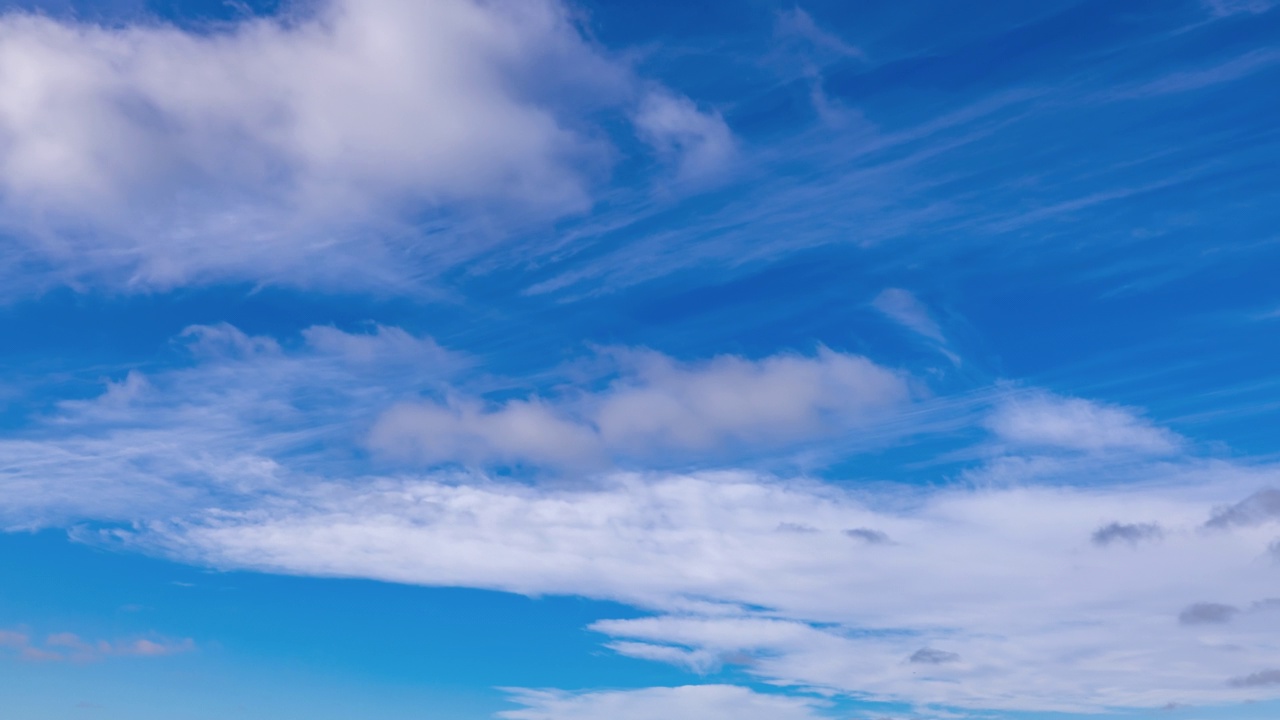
x,y
1016,594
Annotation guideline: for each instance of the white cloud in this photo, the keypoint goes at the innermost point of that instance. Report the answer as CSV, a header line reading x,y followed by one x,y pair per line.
x,y
519,431
294,149
705,702
658,406
904,308
1049,421
1042,598
1010,582
698,143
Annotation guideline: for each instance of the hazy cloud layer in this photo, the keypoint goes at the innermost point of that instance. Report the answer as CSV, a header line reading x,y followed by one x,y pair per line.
x,y
69,647
705,702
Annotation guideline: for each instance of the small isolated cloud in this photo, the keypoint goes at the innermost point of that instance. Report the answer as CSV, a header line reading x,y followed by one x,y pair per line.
x,y
905,308
1260,507
1207,614
65,646
1049,421
699,144
1263,678
1132,533
867,535
931,656
704,702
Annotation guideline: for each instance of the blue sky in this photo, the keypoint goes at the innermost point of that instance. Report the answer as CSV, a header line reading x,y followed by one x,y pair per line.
x,y
562,361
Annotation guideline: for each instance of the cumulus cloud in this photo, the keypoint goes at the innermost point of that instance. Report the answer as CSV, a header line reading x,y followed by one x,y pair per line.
x,y
706,702
296,148
1049,421
519,431
226,460
1126,532
658,405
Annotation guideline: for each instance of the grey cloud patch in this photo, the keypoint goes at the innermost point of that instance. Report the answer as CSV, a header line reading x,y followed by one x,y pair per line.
x,y
1256,509
1126,532
1207,614
796,528
867,535
1274,550
932,656
1264,678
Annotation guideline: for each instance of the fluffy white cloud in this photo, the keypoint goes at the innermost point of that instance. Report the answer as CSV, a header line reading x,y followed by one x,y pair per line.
x,y
1048,421
286,148
658,406
993,592
705,702
1008,585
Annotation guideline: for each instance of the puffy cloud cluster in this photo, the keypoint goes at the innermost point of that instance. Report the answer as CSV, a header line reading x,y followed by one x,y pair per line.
x,y
993,591
297,148
656,406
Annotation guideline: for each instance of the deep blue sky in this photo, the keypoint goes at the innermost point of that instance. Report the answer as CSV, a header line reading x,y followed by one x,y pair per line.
x,y
554,361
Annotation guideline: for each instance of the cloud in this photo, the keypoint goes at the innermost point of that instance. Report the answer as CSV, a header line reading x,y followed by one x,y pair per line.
x,y
1263,678
148,156
904,308
1227,8
705,702
994,576
867,535
1049,421
1127,532
1207,614
657,406
1260,507
663,403
227,460
931,656
517,432
699,144
69,647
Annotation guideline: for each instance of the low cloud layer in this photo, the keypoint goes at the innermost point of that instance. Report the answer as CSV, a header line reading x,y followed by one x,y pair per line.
x,y
225,460
705,702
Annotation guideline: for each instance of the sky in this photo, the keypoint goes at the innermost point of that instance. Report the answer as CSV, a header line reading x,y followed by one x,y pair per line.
x,y
582,359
